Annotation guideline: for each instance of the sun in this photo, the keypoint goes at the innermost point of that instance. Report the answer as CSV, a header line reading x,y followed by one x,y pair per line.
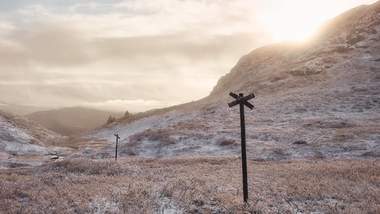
x,y
291,28
298,20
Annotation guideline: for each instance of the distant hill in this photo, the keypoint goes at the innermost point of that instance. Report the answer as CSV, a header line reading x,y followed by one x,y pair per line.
x,y
72,120
20,109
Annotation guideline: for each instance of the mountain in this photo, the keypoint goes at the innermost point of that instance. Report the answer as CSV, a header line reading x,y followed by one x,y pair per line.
x,y
320,99
72,120
344,43
23,142
19,109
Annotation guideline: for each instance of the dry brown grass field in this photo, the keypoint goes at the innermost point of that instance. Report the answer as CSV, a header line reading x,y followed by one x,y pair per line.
x,y
192,185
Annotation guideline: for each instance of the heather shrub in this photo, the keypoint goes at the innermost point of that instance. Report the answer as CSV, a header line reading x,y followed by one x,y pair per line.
x,y
159,135
225,141
88,167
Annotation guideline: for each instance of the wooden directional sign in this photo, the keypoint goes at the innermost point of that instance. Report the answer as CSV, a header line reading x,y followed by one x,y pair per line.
x,y
117,141
242,101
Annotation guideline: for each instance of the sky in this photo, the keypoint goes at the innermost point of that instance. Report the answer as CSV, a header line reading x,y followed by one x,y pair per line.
x,y
137,55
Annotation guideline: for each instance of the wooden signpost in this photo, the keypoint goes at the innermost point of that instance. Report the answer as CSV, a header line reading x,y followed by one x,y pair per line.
x,y
117,141
243,101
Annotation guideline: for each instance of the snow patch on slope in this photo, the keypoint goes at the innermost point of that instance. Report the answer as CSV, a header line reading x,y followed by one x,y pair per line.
x,y
152,122
17,141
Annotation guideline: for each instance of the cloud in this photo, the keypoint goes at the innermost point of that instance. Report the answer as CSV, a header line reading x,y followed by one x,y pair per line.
x,y
12,55
45,45
83,59
134,54
185,46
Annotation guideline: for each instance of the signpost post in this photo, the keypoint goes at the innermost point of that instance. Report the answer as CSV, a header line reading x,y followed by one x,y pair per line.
x,y
243,101
117,141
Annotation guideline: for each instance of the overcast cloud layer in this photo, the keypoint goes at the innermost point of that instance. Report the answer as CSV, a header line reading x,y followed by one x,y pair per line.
x,y
124,54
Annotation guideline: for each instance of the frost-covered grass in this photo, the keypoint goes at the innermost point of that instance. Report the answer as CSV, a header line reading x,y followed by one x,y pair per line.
x,y
16,140
192,185
216,131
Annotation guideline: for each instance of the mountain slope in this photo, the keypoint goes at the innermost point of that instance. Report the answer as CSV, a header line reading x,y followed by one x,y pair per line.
x,y
352,36
24,142
73,120
315,100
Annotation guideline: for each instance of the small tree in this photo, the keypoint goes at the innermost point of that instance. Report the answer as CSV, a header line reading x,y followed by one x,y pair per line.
x,y
111,119
127,114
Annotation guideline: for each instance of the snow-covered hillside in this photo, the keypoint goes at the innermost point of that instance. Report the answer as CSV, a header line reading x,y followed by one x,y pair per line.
x,y
23,142
17,141
315,100
171,134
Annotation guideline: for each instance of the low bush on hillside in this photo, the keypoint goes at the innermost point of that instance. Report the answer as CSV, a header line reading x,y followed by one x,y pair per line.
x,y
225,142
85,166
162,136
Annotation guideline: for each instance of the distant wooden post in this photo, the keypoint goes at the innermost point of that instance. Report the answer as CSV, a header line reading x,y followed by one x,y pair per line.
x,y
117,141
243,101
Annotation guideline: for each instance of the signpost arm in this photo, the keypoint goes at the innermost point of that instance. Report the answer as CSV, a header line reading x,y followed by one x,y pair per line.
x,y
243,152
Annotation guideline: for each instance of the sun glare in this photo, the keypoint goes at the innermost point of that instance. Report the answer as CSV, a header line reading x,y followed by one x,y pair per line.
x,y
298,20
291,28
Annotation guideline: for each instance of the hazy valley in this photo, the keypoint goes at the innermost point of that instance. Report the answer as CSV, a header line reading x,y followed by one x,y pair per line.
x,y
72,120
